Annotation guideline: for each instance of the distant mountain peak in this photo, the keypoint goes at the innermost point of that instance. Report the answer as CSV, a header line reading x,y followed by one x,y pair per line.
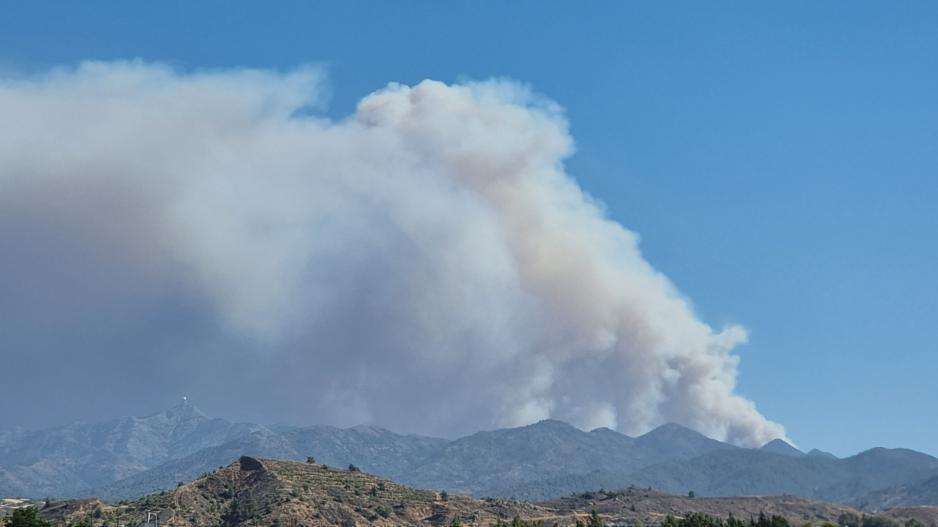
x,y
672,426
675,441
542,426
370,430
551,423
605,430
185,409
822,454
780,446
673,430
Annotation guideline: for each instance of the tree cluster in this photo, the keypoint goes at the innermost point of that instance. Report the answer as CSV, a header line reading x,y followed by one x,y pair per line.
x,y
28,517
697,519
593,521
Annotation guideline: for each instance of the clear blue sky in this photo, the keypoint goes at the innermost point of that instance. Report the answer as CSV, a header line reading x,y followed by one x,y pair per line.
x,y
779,159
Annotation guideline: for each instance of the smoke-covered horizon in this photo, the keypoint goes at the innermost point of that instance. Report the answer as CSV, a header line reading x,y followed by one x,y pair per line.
x,y
425,264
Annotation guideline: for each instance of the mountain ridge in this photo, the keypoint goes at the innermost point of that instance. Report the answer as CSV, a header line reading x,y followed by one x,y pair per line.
x,y
780,446
128,457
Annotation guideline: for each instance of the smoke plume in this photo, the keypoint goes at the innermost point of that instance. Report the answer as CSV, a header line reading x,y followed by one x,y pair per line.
x,y
424,264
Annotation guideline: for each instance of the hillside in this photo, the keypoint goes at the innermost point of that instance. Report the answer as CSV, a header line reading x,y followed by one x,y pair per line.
x,y
255,491
538,461
748,472
757,472
654,505
925,491
486,463
268,492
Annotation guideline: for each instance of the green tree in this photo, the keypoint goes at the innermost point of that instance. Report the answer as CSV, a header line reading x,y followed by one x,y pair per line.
x,y
877,521
238,512
595,520
769,521
732,521
27,517
697,519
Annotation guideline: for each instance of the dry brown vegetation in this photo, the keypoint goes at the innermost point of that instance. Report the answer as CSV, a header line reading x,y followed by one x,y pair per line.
x,y
254,492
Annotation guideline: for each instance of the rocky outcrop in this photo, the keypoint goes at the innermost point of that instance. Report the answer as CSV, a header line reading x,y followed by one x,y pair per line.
x,y
250,464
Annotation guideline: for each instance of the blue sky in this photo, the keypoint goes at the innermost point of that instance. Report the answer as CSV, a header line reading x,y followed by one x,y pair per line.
x,y
779,160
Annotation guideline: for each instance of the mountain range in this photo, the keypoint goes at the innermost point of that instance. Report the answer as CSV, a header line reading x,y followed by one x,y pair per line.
x,y
132,456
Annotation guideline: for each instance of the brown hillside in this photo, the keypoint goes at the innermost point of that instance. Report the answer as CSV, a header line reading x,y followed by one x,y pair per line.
x,y
269,492
262,492
650,506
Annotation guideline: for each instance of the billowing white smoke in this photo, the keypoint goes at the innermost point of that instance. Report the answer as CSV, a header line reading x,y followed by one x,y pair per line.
x,y
425,264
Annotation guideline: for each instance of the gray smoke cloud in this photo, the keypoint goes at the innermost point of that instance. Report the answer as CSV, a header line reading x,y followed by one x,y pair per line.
x,y
424,264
